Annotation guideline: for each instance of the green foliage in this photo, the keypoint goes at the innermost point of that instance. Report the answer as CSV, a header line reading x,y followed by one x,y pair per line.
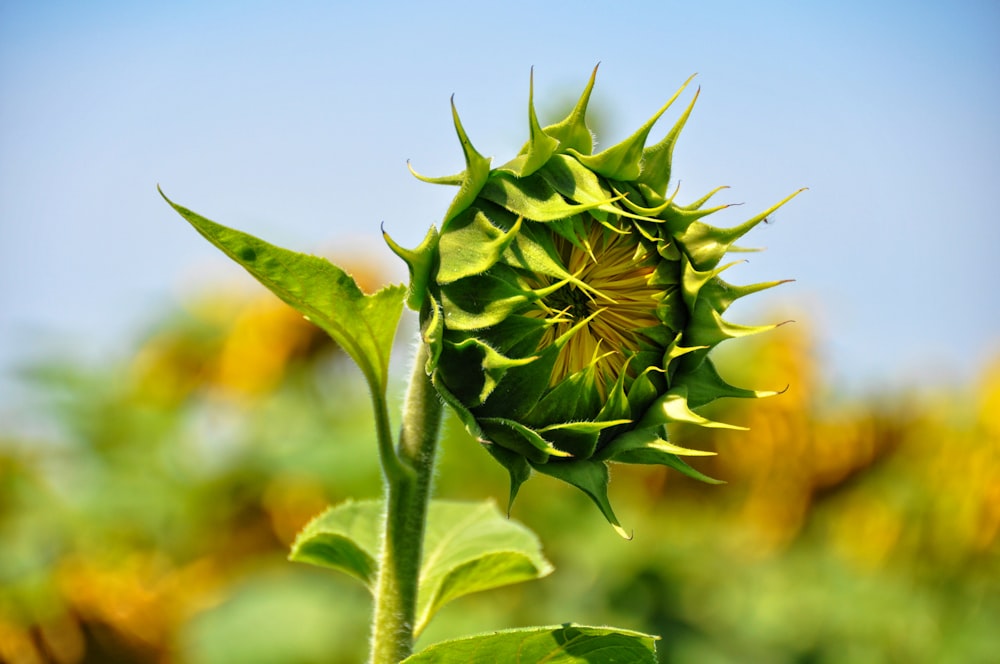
x,y
363,325
565,644
569,301
136,518
472,547
468,547
850,529
346,538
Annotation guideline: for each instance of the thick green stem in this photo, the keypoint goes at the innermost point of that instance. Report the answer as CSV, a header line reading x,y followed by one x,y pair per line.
x,y
407,497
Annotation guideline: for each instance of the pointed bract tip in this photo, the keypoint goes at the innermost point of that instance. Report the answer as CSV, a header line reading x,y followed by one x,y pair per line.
x,y
621,531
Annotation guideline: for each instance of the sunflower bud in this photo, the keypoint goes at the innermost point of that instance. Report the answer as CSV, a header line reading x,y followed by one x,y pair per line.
x,y
570,303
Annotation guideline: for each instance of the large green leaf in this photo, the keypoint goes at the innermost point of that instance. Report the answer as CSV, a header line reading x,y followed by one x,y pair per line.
x,y
561,644
363,325
468,547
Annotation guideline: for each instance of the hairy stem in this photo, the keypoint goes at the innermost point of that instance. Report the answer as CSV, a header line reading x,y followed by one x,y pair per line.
x,y
407,497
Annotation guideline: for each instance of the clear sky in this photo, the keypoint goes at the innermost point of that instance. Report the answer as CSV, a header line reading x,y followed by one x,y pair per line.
x,y
293,120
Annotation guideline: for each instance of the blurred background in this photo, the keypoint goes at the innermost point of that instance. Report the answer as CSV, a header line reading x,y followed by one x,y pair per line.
x,y
166,426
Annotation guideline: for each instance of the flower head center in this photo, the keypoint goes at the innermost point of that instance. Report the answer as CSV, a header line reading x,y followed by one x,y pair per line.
x,y
573,300
613,299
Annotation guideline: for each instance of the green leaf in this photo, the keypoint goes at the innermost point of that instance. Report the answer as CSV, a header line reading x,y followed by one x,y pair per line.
x,y
363,325
468,547
346,537
561,644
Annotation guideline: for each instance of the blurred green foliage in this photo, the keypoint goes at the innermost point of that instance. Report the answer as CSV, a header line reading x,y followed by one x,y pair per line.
x,y
151,520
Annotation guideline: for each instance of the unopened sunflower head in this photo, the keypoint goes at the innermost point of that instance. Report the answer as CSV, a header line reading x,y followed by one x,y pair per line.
x,y
570,303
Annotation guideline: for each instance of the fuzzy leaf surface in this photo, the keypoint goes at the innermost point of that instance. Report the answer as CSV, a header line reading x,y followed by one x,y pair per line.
x,y
560,644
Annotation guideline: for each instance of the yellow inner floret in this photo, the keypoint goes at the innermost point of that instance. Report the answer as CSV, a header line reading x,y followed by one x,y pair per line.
x,y
613,295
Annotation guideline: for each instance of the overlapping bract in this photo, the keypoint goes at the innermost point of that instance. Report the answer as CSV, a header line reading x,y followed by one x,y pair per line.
x,y
570,304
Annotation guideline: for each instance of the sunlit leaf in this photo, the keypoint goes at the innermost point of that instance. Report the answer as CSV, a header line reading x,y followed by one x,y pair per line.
x,y
562,644
363,325
468,547
345,538
471,547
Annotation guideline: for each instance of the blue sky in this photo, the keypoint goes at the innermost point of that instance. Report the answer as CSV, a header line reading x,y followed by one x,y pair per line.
x,y
294,121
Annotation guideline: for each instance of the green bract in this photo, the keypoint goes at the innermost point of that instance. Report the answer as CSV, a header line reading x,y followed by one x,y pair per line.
x,y
570,304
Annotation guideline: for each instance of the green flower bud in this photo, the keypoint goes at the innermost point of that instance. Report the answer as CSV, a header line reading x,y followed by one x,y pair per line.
x,y
570,303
